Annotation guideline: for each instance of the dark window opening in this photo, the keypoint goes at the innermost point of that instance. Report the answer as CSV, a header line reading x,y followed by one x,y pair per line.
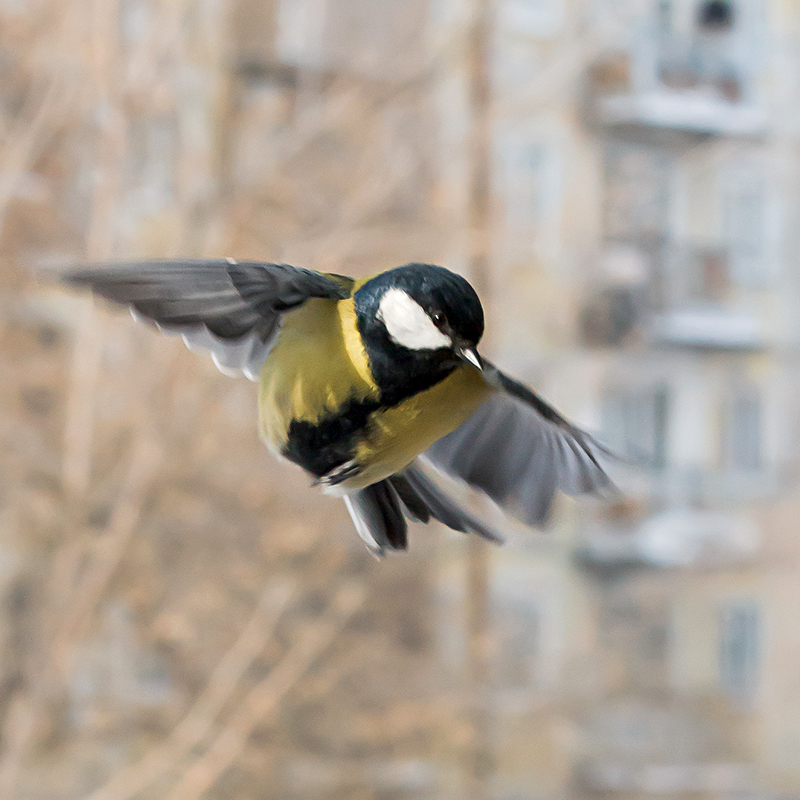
x,y
636,425
741,440
739,648
716,15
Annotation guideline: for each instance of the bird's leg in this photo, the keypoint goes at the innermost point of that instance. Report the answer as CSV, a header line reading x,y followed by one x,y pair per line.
x,y
340,474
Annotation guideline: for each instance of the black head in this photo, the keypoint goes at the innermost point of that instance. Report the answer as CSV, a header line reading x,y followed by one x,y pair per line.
x,y
418,323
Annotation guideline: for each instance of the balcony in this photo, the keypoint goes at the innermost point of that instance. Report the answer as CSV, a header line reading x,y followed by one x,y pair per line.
x,y
658,779
666,744
706,298
696,84
708,327
675,538
702,297
682,111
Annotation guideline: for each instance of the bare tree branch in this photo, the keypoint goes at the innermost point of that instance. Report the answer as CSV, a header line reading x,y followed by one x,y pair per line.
x,y
110,547
263,700
200,719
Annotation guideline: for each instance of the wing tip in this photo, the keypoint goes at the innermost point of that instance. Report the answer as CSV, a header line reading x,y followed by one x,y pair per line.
x,y
442,506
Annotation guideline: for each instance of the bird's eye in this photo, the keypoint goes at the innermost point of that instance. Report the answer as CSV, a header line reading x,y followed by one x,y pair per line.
x,y
438,318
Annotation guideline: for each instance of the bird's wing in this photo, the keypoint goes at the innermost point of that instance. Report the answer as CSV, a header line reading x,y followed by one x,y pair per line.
x,y
231,308
520,451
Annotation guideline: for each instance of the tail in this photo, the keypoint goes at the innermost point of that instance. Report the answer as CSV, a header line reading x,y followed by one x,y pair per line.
x,y
378,517
379,511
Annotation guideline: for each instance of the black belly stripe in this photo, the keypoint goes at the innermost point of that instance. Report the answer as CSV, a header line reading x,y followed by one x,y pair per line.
x,y
327,443
321,446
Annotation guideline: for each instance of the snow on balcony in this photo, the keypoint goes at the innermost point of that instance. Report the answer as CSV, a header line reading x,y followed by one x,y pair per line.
x,y
708,327
689,111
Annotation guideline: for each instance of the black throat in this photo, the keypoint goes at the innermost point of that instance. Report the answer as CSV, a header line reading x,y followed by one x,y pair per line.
x,y
398,371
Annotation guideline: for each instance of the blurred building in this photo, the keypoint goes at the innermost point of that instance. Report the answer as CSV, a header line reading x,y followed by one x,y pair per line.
x,y
645,240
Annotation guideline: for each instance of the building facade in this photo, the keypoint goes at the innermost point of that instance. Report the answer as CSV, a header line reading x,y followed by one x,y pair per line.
x,y
645,240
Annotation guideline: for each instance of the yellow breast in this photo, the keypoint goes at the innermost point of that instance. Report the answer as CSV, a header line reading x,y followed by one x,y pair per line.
x,y
400,433
313,368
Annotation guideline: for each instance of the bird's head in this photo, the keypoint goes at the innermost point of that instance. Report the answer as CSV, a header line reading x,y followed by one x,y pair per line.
x,y
419,319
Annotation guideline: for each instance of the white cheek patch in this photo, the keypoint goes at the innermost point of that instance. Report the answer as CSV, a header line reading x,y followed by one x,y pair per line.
x,y
408,324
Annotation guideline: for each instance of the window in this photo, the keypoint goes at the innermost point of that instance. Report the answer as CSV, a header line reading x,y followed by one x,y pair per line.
x,y
664,12
637,194
635,424
516,626
300,33
741,431
739,645
524,182
744,223
538,18
717,15
532,182
515,632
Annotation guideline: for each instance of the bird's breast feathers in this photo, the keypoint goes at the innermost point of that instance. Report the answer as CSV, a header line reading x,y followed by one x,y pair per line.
x,y
320,406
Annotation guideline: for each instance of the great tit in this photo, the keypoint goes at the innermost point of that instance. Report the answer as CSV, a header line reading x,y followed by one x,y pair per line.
x,y
374,387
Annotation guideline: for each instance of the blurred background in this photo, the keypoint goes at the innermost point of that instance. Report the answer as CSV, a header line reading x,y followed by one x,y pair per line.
x,y
183,617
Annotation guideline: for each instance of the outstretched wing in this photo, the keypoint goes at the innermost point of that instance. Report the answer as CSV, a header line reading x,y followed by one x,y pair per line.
x,y
520,451
515,448
231,308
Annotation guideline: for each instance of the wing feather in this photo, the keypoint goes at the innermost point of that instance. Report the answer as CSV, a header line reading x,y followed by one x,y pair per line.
x,y
520,451
232,308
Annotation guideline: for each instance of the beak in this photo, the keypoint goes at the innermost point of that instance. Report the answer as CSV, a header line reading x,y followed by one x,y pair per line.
x,y
470,355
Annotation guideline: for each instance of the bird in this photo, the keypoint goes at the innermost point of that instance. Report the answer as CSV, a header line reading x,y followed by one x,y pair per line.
x,y
375,387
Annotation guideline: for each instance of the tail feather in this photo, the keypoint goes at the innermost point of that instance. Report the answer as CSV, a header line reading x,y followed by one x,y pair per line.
x,y
414,505
441,506
378,517
378,510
